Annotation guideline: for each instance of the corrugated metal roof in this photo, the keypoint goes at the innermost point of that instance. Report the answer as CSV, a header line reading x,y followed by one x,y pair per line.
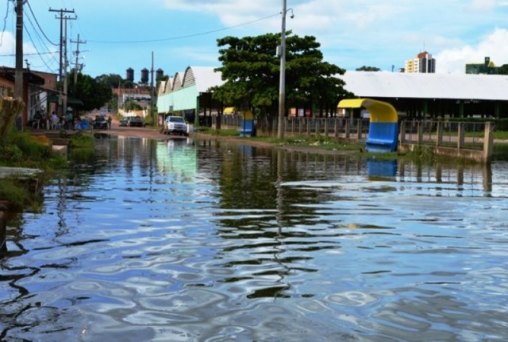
x,y
430,86
206,77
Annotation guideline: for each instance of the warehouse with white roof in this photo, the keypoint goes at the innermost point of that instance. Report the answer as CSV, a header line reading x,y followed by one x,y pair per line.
x,y
188,92
416,95
419,95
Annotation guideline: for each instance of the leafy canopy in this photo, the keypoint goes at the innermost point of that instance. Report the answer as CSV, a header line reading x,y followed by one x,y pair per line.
x,y
94,93
251,68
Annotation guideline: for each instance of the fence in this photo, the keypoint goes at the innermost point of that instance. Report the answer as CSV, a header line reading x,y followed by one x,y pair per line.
x,y
469,139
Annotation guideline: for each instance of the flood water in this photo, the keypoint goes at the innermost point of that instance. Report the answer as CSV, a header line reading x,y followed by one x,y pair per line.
x,y
209,241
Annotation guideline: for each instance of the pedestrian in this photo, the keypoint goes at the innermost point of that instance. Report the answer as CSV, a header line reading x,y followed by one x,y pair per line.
x,y
109,121
55,121
36,121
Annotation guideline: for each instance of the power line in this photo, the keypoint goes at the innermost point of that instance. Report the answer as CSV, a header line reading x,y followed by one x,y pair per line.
x,y
183,36
38,25
5,23
35,47
30,54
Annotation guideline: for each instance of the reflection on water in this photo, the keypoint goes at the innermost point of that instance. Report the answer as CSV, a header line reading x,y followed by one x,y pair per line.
x,y
199,240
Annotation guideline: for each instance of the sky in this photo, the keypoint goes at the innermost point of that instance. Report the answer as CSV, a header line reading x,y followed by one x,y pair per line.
x,y
122,34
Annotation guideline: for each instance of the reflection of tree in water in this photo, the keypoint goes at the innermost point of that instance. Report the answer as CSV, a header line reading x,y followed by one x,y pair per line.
x,y
259,212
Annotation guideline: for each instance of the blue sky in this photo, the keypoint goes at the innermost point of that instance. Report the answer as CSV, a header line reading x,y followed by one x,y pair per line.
x,y
123,33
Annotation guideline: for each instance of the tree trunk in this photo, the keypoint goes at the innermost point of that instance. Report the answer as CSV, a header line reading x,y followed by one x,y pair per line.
x,y
10,108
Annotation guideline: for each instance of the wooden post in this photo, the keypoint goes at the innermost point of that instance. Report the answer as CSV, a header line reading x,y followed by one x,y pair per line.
x,y
439,138
348,128
326,127
488,142
460,136
336,128
419,133
402,132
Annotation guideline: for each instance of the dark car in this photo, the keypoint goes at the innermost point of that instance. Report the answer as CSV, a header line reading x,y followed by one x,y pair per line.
x,y
136,121
100,122
124,122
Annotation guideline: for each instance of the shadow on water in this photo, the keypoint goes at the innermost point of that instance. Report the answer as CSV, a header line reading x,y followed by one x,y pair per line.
x,y
197,240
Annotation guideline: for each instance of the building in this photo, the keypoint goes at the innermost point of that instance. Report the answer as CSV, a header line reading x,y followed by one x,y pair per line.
x,y
188,93
39,89
487,67
414,95
418,95
423,63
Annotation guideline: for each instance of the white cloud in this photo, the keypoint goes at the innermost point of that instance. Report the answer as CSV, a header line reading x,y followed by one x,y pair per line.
x,y
483,4
488,4
494,45
7,43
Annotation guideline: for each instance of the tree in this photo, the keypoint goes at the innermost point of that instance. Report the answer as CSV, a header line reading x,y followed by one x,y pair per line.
x,y
92,93
503,69
367,68
251,70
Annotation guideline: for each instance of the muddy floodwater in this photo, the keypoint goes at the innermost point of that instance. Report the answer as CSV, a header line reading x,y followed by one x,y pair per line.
x,y
185,240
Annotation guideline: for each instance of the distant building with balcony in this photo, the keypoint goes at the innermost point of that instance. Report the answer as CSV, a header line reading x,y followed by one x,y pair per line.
x,y
423,63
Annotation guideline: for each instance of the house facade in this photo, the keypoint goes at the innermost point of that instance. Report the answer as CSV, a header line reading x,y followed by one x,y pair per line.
x,y
37,90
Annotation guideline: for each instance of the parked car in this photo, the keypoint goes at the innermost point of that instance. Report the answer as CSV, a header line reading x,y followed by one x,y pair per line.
x,y
136,121
100,122
175,125
124,122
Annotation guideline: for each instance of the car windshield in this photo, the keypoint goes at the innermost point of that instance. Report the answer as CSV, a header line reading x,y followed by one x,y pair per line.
x,y
175,119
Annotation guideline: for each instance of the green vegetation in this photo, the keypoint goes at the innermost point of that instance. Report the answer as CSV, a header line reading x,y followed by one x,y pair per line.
x,y
221,132
20,194
81,148
251,73
19,149
318,142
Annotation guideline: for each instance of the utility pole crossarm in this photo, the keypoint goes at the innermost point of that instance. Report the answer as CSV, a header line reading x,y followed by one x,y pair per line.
x,y
63,55
76,64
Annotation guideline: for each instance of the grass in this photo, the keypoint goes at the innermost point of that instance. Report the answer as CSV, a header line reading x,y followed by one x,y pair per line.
x,y
20,149
81,148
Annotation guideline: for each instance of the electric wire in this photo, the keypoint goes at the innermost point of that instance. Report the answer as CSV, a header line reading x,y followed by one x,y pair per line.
x,y
37,51
41,41
38,25
183,36
5,23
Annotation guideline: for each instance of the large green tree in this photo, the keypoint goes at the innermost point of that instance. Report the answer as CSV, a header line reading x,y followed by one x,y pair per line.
x,y
93,93
251,68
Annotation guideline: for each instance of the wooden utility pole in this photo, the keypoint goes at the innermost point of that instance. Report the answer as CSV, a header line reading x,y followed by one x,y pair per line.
x,y
76,64
18,80
152,97
62,103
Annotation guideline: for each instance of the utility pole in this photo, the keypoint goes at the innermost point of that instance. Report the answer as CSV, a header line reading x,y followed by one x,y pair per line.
x,y
62,103
282,76
152,96
18,77
76,64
